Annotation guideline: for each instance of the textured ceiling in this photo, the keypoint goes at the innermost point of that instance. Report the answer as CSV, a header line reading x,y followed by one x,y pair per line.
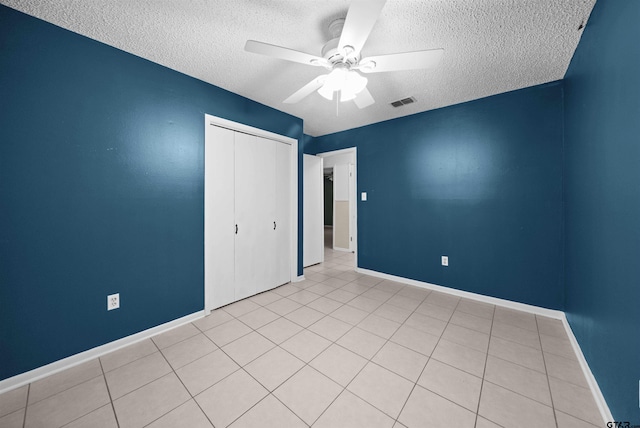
x,y
491,46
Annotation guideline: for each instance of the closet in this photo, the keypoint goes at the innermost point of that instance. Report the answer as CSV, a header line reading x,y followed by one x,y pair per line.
x,y
247,215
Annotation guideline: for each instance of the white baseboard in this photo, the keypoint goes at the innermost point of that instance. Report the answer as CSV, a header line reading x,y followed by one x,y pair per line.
x,y
298,278
82,357
551,313
591,380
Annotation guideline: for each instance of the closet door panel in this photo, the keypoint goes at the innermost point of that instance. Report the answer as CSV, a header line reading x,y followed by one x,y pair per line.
x,y
254,163
266,212
282,249
219,224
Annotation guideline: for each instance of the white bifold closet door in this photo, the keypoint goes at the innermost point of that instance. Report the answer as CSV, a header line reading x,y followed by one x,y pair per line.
x,y
248,225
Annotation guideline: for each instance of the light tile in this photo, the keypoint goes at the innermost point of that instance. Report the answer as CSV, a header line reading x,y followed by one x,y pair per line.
x,y
305,345
279,330
404,302
376,294
338,364
349,314
414,293
265,298
472,322
130,353
401,360
214,319
515,318
186,415
324,305
485,423
175,335
206,371
516,334
330,328
516,353
479,309
424,405
435,311
283,306
461,357
274,367
341,296
228,399
557,346
242,307
355,288
68,405
365,303
258,318
13,420
392,313
426,324
63,380
286,290
379,326
467,337
414,339
308,393
551,327
304,316
368,280
361,342
321,289
381,388
389,286
575,401
566,369
335,282
350,411
509,409
442,299
304,297
136,374
227,332
188,350
317,277
100,418
269,413
247,348
568,421
453,384
13,400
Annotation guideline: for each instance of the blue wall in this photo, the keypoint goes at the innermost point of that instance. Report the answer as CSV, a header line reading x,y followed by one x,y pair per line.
x,y
101,190
602,194
480,182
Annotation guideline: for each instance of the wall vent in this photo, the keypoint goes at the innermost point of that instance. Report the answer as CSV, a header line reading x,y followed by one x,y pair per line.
x,y
403,101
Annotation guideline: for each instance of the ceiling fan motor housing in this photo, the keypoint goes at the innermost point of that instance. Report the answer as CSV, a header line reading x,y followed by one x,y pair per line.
x,y
331,51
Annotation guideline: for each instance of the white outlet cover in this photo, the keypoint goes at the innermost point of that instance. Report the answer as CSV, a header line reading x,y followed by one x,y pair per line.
x,y
364,196
445,260
113,301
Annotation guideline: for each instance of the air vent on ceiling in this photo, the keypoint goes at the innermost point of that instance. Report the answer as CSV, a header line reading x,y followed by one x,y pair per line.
x,y
403,101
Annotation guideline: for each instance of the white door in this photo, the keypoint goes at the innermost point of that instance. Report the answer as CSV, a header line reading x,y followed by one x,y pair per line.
x,y
254,212
341,207
219,221
282,226
313,211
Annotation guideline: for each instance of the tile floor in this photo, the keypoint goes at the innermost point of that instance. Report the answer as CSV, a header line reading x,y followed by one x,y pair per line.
x,y
339,349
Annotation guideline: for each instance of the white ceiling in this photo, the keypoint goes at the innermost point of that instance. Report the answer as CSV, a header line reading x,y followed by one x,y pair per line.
x,y
491,46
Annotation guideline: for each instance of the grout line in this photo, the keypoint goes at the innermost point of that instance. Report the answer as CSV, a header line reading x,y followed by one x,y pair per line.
x,y
484,370
113,408
544,361
26,406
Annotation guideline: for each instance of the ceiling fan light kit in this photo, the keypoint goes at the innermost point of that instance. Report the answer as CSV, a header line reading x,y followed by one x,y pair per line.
x,y
341,55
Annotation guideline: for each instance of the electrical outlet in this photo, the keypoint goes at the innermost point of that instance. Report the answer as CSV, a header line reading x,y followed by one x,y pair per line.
x,y
113,301
445,260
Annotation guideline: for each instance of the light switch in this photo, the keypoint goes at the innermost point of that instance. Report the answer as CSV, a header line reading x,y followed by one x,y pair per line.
x,y
364,196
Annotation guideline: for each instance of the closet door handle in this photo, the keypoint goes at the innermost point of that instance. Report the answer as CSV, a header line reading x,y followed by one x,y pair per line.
x,y
274,225
236,229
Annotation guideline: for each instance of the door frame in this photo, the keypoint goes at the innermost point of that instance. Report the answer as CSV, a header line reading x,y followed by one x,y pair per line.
x,y
353,192
210,120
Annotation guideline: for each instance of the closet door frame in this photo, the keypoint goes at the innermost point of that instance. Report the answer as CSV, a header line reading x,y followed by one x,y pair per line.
x,y
210,121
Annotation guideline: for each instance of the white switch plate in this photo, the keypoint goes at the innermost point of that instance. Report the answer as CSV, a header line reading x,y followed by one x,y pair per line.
x,y
364,196
113,301
445,260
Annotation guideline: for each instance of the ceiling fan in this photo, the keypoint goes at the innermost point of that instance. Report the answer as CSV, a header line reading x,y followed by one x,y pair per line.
x,y
341,55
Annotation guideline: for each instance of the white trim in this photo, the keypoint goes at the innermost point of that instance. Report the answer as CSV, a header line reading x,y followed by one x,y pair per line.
x,y
551,313
298,278
90,354
240,127
591,380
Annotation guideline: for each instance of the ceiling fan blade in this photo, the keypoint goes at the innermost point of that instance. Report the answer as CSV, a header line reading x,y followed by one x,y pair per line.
x,y
361,17
306,90
401,61
364,99
285,53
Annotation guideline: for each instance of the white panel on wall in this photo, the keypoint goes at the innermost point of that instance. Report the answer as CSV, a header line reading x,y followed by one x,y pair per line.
x,y
313,211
